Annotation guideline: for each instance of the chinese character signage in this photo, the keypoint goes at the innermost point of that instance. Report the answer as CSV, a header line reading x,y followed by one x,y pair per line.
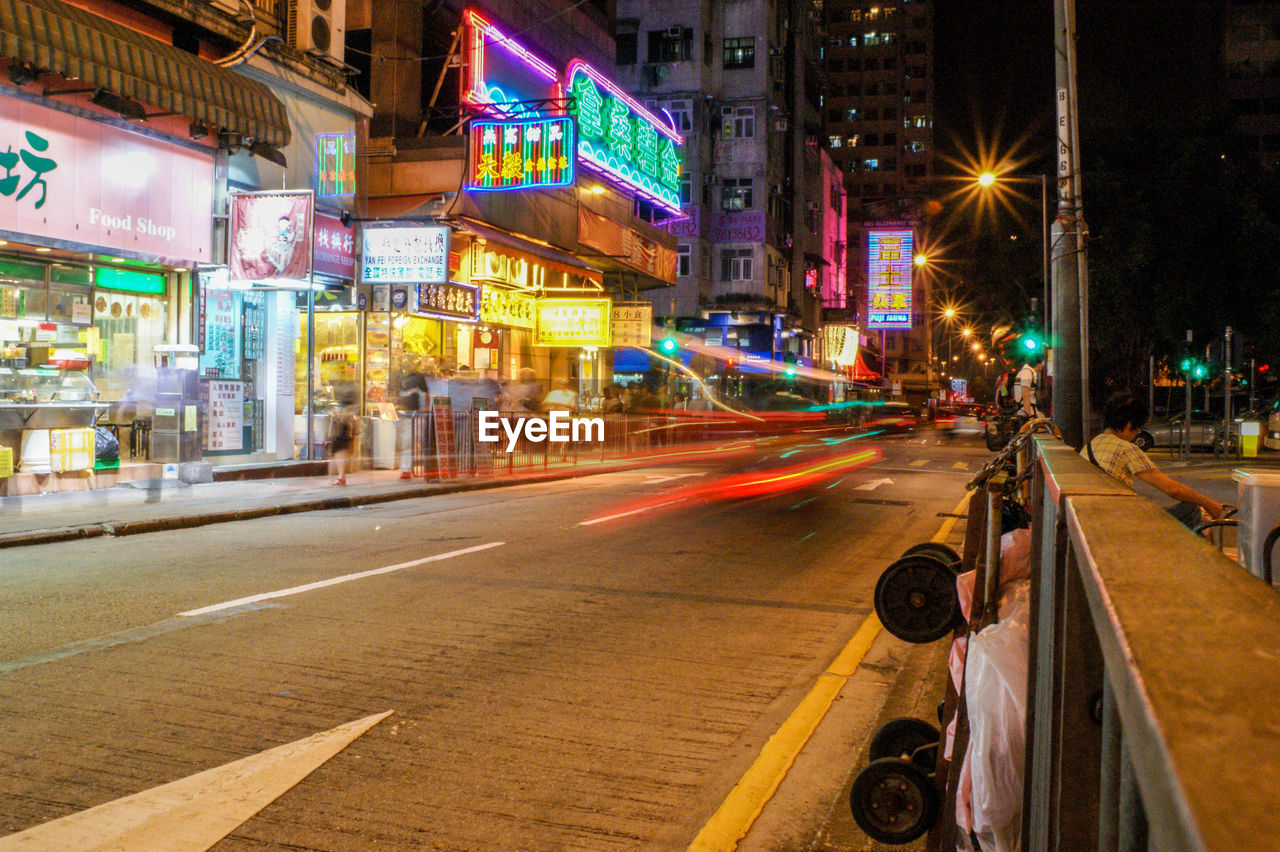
x,y
573,322
450,300
506,307
224,416
889,255
405,255
270,236
521,154
68,178
632,325
220,338
335,249
335,164
622,139
500,75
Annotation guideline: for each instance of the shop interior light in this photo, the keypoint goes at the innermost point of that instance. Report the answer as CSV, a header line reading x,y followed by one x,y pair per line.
x,y
43,249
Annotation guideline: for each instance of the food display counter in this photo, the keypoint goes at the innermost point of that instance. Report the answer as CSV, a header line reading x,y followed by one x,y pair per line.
x,y
34,400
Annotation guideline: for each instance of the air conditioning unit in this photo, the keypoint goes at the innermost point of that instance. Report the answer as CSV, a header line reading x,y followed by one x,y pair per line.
x,y
675,32
781,125
317,26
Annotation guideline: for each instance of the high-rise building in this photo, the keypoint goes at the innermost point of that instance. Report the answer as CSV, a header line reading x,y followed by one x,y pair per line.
x,y
878,127
1251,55
741,80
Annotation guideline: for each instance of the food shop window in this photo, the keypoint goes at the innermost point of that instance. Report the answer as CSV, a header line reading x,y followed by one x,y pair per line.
x,y
22,290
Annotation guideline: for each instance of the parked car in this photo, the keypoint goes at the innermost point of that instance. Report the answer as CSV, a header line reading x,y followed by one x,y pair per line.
x,y
1204,429
1271,432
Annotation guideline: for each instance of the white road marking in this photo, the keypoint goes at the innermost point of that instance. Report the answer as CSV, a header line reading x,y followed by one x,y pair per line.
x,y
195,812
918,462
872,485
333,581
655,479
960,466
625,514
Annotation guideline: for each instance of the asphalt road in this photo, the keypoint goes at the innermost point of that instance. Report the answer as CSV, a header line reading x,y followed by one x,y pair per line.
x,y
588,664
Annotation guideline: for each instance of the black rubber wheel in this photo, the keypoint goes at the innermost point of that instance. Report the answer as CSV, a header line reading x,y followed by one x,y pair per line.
x,y
901,738
938,550
916,599
1144,441
893,801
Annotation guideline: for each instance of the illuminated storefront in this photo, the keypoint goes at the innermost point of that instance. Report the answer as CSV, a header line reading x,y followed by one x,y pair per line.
x,y
94,274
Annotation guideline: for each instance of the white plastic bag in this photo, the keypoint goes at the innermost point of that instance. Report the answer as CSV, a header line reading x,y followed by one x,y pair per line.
x,y
996,701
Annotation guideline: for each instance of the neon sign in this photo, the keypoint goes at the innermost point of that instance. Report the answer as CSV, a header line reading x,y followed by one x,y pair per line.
x,y
619,137
521,154
335,164
500,73
889,255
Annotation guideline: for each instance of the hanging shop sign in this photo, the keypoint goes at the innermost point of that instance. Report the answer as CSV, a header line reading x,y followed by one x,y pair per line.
x,y
335,164
405,255
335,247
500,76
449,300
572,322
623,140
271,236
524,154
507,307
889,255
64,177
632,324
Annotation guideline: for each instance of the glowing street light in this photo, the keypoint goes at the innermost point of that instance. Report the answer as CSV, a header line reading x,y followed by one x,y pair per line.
x,y
986,179
921,259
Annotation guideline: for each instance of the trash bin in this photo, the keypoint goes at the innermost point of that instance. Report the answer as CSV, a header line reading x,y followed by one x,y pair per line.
x,y
1259,501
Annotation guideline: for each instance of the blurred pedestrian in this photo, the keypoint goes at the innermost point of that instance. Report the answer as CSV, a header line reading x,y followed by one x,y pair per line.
x,y
344,429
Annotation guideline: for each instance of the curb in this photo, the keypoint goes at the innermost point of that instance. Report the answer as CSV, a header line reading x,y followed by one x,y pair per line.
x,y
124,528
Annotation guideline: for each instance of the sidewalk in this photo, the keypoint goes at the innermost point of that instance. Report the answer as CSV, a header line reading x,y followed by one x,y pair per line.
x,y
154,505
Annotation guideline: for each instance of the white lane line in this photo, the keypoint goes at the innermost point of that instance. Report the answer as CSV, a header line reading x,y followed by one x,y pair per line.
x,y
625,514
333,581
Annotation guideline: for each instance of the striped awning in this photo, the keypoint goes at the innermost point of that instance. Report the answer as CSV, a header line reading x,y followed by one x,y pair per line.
x,y
55,36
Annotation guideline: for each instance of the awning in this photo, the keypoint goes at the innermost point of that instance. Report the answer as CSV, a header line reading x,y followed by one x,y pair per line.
x,y
548,253
55,36
861,372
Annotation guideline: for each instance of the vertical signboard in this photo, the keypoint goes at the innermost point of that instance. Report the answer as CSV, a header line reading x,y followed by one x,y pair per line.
x,y
521,154
889,255
335,164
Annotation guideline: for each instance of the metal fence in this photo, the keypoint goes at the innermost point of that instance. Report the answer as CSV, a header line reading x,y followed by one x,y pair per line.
x,y
460,452
1154,676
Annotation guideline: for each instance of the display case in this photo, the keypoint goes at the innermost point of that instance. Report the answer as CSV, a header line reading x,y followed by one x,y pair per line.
x,y
47,398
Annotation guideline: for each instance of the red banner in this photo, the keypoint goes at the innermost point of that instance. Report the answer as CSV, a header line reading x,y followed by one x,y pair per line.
x,y
271,236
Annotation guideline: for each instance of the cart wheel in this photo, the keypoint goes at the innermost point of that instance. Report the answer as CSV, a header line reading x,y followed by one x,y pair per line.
x,y
893,801
902,737
916,599
938,550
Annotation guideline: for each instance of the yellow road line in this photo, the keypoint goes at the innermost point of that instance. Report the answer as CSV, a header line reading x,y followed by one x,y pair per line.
x,y
745,802
918,462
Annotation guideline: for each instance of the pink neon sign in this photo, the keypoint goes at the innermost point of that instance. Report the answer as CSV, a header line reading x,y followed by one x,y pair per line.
x,y
511,73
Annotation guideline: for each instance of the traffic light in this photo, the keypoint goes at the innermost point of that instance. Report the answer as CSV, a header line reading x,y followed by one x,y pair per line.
x,y
668,345
790,360
1030,343
1199,371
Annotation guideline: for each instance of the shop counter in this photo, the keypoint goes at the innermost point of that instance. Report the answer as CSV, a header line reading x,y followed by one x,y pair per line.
x,y
17,416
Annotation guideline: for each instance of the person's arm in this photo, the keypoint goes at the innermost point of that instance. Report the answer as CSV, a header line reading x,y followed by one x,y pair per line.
x,y
1178,491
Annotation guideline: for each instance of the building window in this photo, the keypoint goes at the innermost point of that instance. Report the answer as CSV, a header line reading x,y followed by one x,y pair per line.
x,y
708,48
834,141
735,194
854,114
738,122
681,113
740,52
853,140
670,45
625,45
686,188
870,165
735,265
871,39
914,148
684,265
873,139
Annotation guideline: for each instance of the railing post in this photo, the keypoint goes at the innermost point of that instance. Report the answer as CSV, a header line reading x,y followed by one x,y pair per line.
x,y
1109,773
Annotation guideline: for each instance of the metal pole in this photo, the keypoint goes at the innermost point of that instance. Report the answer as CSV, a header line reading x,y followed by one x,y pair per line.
x,y
1253,364
1151,386
1226,393
1069,386
309,406
1185,442
1044,245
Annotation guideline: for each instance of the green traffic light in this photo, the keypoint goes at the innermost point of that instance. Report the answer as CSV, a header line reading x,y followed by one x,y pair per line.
x,y
1031,343
1199,371
1187,364
668,345
791,371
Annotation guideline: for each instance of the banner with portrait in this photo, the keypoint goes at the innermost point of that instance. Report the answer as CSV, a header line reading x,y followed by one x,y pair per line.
x,y
271,236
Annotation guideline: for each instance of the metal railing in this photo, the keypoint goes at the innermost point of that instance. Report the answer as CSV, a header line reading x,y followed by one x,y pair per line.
x,y
464,454
1154,676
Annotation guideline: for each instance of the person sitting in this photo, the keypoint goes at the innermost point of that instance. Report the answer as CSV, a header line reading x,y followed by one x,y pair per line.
x,y
1113,451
